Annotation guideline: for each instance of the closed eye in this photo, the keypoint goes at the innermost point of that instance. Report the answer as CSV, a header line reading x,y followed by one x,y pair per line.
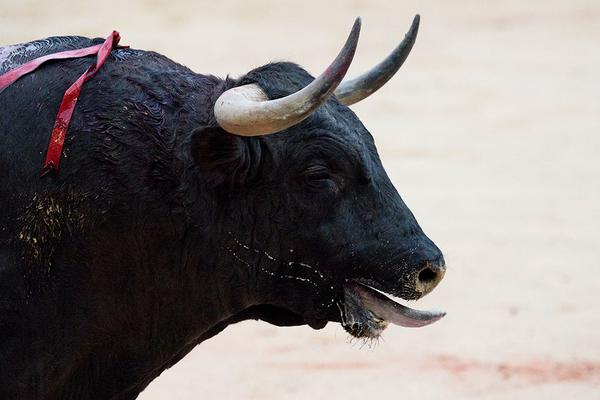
x,y
320,179
317,172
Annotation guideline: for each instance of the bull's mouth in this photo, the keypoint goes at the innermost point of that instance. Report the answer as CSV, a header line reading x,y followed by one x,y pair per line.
x,y
367,312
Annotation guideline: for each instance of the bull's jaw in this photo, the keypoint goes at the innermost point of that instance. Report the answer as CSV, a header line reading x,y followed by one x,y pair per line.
x,y
367,312
357,320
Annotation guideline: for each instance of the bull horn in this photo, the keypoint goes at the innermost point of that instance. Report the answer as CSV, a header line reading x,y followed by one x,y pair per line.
x,y
247,111
361,87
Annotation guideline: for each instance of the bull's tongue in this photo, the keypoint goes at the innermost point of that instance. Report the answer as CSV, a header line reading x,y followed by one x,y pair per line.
x,y
384,308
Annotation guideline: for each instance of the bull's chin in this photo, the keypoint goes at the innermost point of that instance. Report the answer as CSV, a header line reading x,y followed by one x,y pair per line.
x,y
367,312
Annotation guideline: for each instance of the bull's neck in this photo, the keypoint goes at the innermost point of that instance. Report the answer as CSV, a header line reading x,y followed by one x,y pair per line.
x,y
157,306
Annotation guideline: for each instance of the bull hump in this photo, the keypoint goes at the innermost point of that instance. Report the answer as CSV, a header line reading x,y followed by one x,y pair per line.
x,y
12,56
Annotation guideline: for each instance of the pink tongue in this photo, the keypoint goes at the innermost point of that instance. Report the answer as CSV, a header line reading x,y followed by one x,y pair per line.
x,y
389,310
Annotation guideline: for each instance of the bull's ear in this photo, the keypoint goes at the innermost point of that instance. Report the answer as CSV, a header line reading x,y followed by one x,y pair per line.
x,y
224,158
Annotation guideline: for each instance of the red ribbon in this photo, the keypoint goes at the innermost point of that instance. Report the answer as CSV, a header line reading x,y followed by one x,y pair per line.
x,y
65,112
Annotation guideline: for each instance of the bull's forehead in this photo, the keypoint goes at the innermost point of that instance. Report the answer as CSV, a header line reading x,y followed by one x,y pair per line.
x,y
333,134
336,122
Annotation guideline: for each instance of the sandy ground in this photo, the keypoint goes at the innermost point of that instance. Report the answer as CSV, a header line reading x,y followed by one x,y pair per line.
x,y
491,133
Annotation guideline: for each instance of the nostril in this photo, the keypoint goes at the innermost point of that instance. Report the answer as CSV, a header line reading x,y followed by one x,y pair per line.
x,y
427,275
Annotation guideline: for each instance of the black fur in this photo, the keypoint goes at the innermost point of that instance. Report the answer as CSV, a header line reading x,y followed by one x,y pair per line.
x,y
161,229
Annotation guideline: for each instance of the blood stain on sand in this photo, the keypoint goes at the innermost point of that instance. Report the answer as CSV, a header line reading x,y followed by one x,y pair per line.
x,y
536,371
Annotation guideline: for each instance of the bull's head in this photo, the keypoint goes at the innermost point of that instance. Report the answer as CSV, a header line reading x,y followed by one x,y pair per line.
x,y
309,213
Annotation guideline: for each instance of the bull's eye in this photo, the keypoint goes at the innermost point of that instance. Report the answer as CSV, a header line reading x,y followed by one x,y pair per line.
x,y
319,177
317,172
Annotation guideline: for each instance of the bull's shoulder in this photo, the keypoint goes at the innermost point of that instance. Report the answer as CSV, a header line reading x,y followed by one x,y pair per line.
x,y
126,118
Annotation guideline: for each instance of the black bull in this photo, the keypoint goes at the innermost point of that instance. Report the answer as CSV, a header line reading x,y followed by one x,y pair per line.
x,y
161,228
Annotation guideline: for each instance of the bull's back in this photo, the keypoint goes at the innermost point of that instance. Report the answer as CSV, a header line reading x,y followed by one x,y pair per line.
x,y
12,56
